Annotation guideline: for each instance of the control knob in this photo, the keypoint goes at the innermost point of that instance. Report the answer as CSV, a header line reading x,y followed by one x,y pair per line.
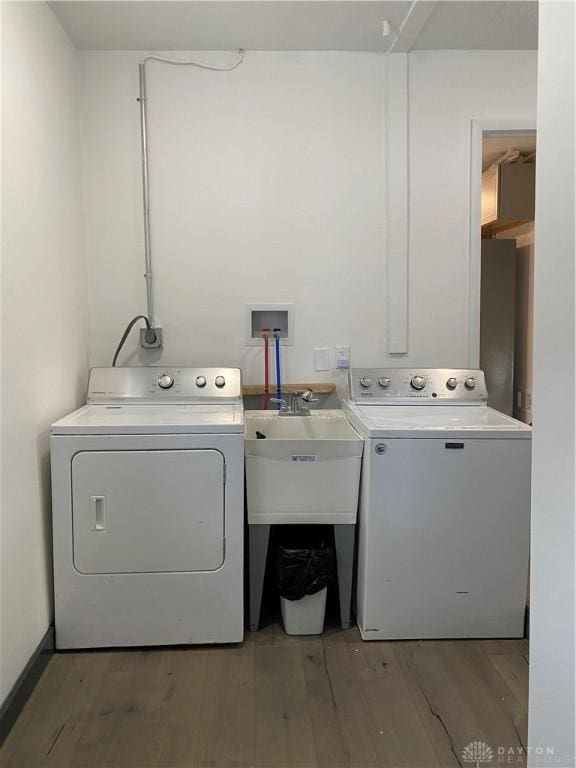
x,y
470,382
452,383
200,381
417,382
220,381
365,382
384,382
165,381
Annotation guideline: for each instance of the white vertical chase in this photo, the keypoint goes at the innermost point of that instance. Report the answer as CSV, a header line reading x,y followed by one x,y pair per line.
x,y
397,203
412,25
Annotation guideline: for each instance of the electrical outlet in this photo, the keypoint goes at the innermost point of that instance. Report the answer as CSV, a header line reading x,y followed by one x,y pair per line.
x,y
342,357
150,338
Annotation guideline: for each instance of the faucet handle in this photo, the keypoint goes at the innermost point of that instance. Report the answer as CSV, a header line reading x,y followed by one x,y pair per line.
x,y
281,401
307,395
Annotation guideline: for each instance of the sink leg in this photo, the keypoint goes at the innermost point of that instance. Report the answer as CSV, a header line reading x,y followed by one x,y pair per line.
x,y
258,536
344,539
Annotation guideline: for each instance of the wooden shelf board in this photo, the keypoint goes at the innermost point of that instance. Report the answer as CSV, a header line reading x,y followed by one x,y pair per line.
x,y
319,388
501,225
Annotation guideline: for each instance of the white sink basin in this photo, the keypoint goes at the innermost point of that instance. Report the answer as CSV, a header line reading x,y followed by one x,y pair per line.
x,y
305,470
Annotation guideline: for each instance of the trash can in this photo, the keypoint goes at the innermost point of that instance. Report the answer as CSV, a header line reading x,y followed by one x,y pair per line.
x,y
304,616
303,578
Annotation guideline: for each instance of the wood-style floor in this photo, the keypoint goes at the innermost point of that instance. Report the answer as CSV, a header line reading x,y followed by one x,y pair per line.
x,y
277,701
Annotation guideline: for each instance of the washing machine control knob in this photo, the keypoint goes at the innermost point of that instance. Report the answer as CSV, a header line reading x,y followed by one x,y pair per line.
x,y
220,381
200,381
452,383
384,382
165,381
365,382
417,382
470,382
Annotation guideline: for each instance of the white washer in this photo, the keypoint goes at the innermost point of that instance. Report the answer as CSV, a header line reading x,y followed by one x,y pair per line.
x,y
445,507
148,510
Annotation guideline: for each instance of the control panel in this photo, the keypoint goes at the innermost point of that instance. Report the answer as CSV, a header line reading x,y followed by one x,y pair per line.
x,y
164,385
417,386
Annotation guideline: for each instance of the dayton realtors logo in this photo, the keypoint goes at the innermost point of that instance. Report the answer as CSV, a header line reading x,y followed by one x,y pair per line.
x,y
477,752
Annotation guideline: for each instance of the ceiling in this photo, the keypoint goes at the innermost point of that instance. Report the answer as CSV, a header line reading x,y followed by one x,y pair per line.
x,y
472,25
346,25
494,147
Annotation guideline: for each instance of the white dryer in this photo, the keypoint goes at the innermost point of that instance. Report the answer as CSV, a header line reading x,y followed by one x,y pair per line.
x,y
445,507
148,499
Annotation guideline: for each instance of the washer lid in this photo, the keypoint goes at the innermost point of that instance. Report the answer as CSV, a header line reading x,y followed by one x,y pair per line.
x,y
152,419
431,421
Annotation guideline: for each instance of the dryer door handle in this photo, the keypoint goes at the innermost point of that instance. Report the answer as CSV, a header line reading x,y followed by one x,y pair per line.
x,y
98,513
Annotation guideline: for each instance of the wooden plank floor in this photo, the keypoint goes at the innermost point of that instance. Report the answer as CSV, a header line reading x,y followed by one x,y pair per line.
x,y
276,701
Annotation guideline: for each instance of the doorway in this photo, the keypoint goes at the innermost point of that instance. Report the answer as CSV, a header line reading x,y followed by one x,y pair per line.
x,y
506,266
503,168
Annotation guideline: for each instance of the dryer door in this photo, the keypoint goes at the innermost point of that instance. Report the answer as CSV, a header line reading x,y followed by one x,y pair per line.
x,y
148,511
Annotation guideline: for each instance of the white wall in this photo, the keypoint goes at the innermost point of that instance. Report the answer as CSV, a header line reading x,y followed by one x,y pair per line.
x,y
552,634
448,89
43,295
268,185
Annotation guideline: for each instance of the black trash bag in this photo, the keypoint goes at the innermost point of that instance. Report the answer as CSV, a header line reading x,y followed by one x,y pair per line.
x,y
303,571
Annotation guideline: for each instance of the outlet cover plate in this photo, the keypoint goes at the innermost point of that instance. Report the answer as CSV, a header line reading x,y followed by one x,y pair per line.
x,y
342,357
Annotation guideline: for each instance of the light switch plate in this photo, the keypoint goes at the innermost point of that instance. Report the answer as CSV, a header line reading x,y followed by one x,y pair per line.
x,y
321,359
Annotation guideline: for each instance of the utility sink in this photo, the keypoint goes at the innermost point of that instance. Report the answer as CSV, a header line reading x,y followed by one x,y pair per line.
x,y
305,469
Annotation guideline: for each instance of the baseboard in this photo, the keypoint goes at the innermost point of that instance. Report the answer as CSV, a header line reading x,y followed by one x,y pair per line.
x,y
26,683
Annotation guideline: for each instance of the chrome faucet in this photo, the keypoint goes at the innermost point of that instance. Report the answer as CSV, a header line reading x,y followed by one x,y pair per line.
x,y
298,403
